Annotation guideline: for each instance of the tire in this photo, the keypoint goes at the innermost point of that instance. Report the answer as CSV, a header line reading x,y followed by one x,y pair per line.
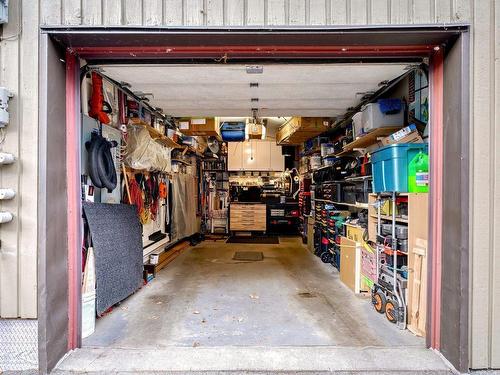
x,y
379,301
391,309
326,257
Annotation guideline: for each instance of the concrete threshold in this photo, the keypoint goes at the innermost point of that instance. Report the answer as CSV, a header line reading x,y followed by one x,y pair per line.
x,y
251,360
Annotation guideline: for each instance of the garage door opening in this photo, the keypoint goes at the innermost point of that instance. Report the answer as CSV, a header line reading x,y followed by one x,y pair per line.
x,y
296,286
270,159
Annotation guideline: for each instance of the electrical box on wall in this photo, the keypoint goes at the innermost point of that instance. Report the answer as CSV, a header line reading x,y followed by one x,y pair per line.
x,y
4,11
5,95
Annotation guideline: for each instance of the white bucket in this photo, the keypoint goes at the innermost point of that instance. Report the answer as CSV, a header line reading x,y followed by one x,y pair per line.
x,y
88,314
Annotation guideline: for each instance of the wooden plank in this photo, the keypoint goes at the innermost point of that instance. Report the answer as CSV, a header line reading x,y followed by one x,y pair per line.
x,y
153,12
297,12
112,12
92,12
215,12
173,12
133,12
369,139
350,264
417,263
156,135
72,12
276,12
169,255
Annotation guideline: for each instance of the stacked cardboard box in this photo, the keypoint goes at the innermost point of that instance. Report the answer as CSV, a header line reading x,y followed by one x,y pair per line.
x,y
299,129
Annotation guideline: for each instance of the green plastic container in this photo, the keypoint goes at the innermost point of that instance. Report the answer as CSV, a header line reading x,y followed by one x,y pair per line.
x,y
418,173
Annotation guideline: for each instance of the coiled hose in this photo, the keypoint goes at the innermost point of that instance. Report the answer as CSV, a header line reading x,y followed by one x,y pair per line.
x,y
101,165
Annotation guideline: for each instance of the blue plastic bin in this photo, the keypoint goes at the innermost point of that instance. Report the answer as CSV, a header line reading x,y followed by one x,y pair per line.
x,y
390,166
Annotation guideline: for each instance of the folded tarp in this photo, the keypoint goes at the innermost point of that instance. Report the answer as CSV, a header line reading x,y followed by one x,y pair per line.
x,y
116,237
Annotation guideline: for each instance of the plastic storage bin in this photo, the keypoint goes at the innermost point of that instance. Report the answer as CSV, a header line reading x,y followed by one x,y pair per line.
x,y
390,166
373,118
357,124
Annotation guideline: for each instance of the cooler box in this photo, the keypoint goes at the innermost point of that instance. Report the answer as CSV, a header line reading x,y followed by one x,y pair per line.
x,y
390,166
233,131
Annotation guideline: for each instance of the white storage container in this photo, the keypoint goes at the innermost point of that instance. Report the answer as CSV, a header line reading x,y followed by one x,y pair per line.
x,y
88,314
315,161
373,118
357,124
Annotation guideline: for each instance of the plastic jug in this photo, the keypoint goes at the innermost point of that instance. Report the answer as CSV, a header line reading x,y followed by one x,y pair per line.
x,y
418,174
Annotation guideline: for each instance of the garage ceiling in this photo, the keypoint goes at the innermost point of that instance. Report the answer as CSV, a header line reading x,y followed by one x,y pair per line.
x,y
283,89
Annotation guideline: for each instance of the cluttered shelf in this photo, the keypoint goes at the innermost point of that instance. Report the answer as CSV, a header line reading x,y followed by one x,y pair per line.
x,y
156,134
366,140
357,204
388,217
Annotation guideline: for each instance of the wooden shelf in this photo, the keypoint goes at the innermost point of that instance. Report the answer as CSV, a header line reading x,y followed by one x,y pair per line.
x,y
388,217
367,140
357,204
156,135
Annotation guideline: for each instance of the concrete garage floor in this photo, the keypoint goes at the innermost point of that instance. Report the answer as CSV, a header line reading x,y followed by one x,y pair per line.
x,y
207,312
204,298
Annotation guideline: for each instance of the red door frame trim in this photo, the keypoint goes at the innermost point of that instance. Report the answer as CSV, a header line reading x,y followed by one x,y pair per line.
x,y
252,51
436,189
73,196
72,132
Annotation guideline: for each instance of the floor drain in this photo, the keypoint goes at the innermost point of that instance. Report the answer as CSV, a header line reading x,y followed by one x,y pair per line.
x,y
307,295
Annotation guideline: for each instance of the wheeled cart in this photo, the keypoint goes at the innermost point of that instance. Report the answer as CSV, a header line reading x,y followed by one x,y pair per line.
x,y
389,290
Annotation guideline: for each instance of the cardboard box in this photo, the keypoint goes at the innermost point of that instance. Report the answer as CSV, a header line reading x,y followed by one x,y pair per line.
x,y
254,131
300,129
408,134
199,126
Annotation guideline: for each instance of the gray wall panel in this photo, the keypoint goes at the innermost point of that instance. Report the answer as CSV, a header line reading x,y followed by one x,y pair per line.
x,y
52,208
379,11
72,12
236,12
297,12
173,12
215,12
338,11
91,11
455,239
112,12
132,13
276,12
153,12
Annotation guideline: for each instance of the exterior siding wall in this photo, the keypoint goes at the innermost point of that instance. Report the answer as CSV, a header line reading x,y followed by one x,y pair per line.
x,y
252,12
18,72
